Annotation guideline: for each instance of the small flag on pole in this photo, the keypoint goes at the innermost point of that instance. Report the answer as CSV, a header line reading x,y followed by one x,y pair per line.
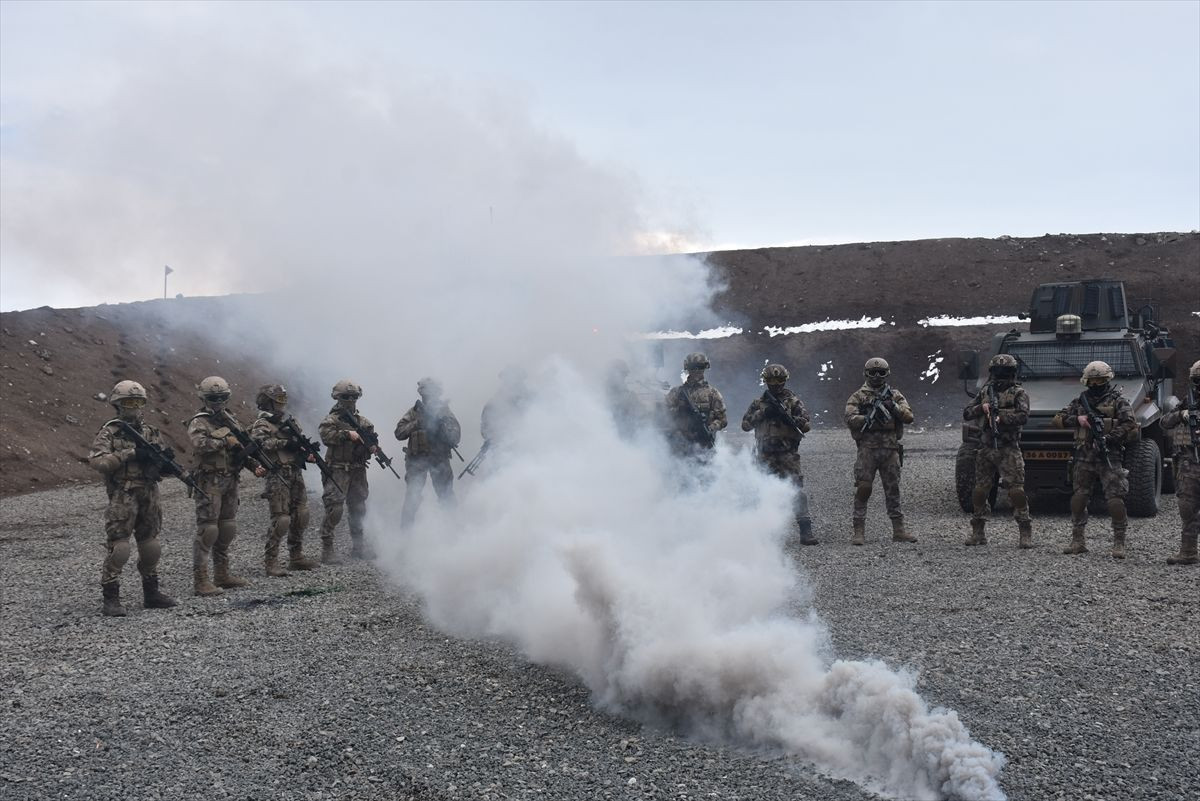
x,y
166,271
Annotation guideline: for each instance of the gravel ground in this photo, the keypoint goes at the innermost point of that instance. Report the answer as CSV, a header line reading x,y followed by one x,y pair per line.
x,y
1083,671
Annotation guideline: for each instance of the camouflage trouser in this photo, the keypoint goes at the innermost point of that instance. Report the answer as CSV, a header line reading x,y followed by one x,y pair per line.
x,y
415,471
1085,472
886,462
1007,462
1187,491
133,508
216,527
288,499
787,465
353,480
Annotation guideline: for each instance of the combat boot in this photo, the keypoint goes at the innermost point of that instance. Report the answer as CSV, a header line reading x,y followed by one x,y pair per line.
x,y
202,586
806,535
360,550
1118,546
223,578
1077,544
298,561
153,597
977,537
271,563
112,600
1187,552
859,537
329,555
898,532
1026,532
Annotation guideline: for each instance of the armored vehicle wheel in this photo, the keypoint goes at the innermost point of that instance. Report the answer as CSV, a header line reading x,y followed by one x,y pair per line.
x,y
964,475
1144,463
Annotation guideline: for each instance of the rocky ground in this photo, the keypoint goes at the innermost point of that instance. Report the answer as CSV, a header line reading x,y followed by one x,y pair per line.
x,y
329,685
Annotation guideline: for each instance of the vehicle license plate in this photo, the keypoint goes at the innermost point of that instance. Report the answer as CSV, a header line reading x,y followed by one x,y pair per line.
x,y
1059,456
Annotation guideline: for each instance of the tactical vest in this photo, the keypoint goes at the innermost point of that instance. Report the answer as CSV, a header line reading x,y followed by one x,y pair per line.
x,y
1006,401
281,456
773,435
135,470
347,452
218,461
1106,407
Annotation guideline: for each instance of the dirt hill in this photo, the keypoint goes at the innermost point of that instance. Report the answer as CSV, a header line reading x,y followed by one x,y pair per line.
x,y
56,363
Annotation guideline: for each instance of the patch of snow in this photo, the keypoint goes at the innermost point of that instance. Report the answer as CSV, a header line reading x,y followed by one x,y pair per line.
x,y
933,372
823,373
708,333
825,325
947,320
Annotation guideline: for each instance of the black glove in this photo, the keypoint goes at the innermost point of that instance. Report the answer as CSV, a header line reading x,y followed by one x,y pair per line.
x,y
890,405
864,408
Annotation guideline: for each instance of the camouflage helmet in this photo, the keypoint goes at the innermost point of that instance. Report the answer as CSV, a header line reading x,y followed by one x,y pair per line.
x,y
125,390
877,363
696,361
345,390
214,388
429,386
1003,361
1098,372
1194,371
774,373
271,396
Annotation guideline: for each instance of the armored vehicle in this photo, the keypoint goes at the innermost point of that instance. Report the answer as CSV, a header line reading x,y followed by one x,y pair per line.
x,y
1071,324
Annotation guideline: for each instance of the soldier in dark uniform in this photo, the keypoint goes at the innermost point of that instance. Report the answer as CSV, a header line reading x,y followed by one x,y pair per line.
x,y
1002,405
695,411
779,421
1187,472
432,432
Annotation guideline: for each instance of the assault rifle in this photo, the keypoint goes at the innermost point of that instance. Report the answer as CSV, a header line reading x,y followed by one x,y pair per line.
x,y
287,424
1096,423
697,417
1193,423
994,414
250,448
777,405
370,439
473,465
878,413
163,459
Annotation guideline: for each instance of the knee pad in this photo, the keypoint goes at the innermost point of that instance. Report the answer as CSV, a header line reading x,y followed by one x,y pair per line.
x,y
118,553
979,497
333,515
280,525
207,534
300,519
148,552
862,491
1116,509
1017,497
226,531
1079,502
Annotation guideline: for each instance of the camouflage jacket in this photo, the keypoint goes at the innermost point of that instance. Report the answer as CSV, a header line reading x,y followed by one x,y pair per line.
x,y
212,450
1181,435
1120,426
771,433
278,445
341,451
1012,411
500,414
884,434
114,454
431,432
708,402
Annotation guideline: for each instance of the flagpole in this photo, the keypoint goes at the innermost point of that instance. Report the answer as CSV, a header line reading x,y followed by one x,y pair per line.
x,y
166,272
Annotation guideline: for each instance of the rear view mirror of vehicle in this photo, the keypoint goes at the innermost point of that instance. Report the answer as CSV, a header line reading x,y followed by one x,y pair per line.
x,y
968,365
1162,362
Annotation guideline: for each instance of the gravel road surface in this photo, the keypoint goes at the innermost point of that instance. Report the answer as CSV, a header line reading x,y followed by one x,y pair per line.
x,y
1085,672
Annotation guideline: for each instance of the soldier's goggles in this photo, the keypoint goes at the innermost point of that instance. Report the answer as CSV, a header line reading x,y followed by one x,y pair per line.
x,y
280,398
774,382
131,403
878,372
347,396
217,397
1097,381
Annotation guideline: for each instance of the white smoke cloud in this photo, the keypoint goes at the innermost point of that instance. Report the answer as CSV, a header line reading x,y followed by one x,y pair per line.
x,y
405,226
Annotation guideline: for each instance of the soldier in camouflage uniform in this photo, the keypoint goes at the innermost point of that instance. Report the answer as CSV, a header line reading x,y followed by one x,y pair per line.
x,y
879,450
1120,428
432,432
285,492
131,480
347,456
1000,452
695,411
777,440
219,459
1187,472
502,413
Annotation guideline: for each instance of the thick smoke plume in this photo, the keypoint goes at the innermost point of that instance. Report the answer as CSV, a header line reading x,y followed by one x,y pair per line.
x,y
404,227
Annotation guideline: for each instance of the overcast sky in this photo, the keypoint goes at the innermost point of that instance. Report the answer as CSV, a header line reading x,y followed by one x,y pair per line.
x,y
736,125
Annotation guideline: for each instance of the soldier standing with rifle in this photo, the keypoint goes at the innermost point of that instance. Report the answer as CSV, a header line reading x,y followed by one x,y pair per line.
x,y
131,476
1002,408
432,432
221,449
876,415
779,421
351,441
1103,421
696,412
1184,424
278,434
